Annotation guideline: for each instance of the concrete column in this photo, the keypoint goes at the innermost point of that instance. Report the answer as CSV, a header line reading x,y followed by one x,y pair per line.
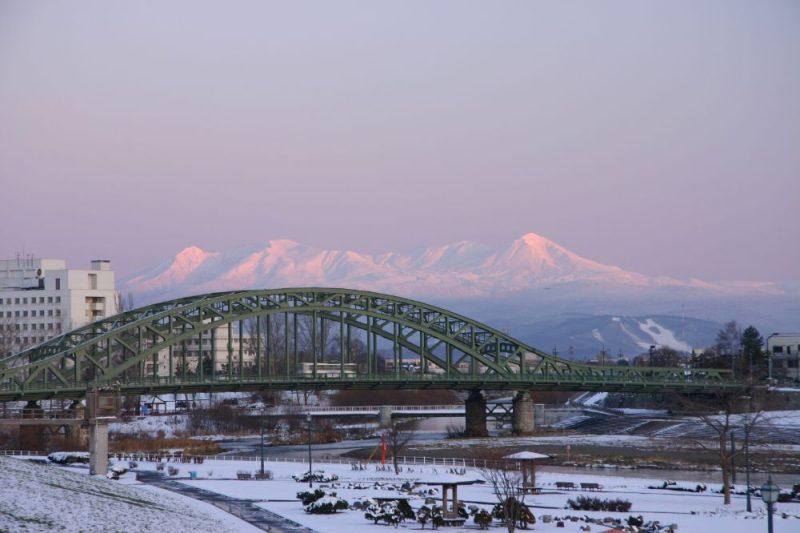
x,y
522,417
475,415
385,416
98,448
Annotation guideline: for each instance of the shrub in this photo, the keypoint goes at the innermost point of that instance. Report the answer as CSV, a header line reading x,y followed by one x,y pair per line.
x,y
517,510
319,476
68,458
585,503
308,497
327,505
483,519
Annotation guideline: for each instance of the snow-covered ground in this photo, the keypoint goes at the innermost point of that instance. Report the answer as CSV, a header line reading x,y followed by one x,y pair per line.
x,y
694,513
45,497
170,425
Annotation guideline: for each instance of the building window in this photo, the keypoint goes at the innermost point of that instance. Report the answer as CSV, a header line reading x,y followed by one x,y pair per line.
x,y
58,299
1,301
16,301
58,284
49,299
777,349
24,301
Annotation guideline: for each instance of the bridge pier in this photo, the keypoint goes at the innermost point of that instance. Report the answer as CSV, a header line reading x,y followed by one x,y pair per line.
x,y
475,415
385,416
31,437
522,419
98,448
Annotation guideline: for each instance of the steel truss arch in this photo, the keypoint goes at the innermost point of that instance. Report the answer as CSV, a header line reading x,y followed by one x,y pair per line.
x,y
454,351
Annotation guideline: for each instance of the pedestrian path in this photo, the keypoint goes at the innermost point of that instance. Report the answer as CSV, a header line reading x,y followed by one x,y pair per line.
x,y
242,509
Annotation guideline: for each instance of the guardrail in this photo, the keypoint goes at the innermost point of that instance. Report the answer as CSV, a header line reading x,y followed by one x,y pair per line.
x,y
405,460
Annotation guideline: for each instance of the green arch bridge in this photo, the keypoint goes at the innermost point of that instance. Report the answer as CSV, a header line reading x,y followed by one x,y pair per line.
x,y
310,339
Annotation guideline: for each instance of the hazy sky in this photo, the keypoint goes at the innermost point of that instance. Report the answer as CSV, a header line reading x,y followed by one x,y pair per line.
x,y
663,137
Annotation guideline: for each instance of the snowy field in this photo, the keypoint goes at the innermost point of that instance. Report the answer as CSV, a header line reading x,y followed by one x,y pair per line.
x,y
45,497
692,512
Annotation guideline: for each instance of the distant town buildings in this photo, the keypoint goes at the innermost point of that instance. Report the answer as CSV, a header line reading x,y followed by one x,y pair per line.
x,y
783,351
42,298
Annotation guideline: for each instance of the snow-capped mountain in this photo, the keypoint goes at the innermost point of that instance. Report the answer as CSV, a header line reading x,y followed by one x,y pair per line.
x,y
451,271
461,269
535,288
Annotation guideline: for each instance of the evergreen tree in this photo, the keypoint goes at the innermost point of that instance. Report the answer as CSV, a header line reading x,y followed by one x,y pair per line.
x,y
753,350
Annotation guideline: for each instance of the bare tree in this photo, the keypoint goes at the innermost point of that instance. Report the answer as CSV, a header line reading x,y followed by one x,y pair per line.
x,y
397,439
720,412
507,487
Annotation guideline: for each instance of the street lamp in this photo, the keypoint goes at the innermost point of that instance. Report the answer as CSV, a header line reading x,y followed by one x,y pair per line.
x,y
769,493
747,451
262,451
310,470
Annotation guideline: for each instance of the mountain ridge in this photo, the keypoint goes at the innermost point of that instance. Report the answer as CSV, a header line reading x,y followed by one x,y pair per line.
x,y
462,269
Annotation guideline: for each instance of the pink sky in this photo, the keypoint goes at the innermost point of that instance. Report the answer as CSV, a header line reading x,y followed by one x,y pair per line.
x,y
663,137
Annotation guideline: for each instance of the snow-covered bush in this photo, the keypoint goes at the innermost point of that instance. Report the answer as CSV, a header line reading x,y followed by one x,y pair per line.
x,y
673,485
513,509
483,519
319,476
327,505
585,503
115,471
322,502
431,514
391,512
308,496
68,458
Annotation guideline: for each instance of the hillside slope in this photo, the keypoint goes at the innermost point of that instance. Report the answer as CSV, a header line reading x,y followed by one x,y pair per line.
x,y
39,497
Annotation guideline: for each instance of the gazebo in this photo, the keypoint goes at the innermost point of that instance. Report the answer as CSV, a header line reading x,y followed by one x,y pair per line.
x,y
527,462
450,484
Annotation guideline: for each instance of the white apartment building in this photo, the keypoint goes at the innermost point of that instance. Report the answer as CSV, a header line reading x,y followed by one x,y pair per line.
x,y
42,298
783,350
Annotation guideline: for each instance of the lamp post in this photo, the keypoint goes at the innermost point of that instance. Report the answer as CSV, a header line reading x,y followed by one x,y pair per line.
x,y
747,464
747,452
769,493
310,470
262,451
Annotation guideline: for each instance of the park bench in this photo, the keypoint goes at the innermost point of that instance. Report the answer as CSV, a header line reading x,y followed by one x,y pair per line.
x,y
591,486
568,485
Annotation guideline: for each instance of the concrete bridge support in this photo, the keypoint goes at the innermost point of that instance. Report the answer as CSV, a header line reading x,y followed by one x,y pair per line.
x,y
522,416
98,448
475,415
385,416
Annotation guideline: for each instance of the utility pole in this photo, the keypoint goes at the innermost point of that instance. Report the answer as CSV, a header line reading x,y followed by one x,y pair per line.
x,y
310,470
262,451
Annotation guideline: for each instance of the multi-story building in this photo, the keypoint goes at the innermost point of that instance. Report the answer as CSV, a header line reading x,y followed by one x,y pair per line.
x,y
42,298
783,350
